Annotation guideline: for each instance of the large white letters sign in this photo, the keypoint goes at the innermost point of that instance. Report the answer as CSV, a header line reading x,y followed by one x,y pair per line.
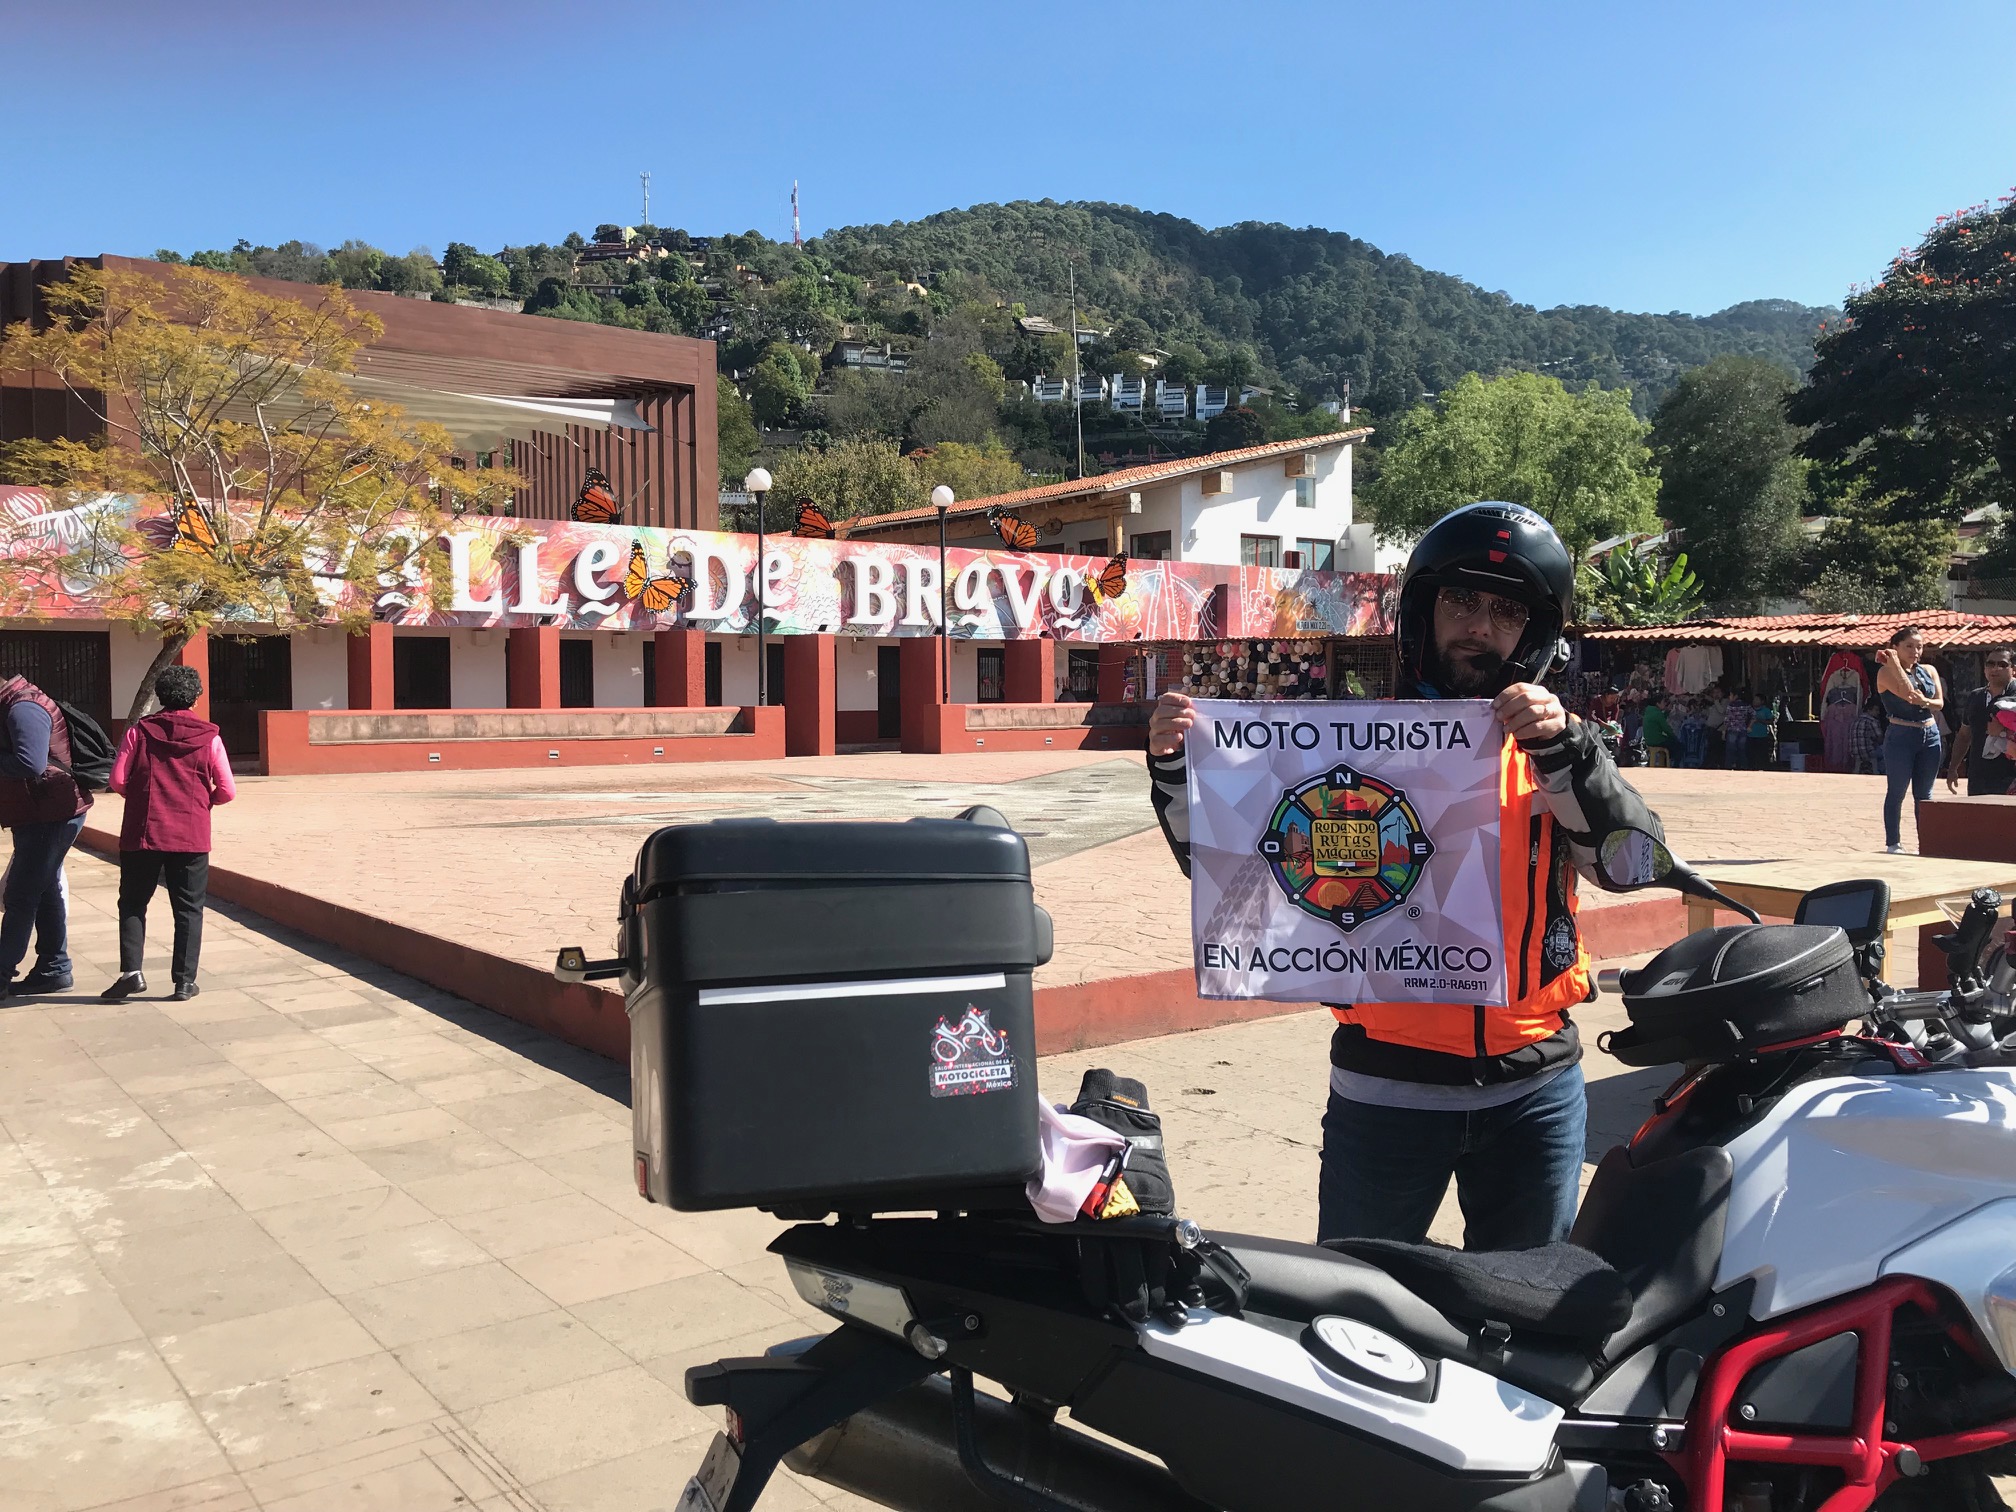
x,y
1346,852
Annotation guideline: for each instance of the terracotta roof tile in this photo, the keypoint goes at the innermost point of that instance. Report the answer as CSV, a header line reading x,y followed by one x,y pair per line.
x,y
1942,627
1154,472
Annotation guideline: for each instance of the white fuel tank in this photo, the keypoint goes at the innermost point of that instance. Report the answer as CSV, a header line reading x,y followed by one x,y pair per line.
x,y
1844,1172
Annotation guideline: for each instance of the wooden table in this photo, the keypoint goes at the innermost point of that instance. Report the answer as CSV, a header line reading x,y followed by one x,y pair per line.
x,y
1917,883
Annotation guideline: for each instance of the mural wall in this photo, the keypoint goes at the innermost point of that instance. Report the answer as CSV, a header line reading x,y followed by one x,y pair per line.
x,y
508,573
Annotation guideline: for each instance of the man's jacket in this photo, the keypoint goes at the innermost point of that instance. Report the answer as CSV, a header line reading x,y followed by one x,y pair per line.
x,y
1555,803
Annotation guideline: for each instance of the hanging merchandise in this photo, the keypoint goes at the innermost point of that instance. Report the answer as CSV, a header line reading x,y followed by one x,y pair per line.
x,y
1257,669
1844,688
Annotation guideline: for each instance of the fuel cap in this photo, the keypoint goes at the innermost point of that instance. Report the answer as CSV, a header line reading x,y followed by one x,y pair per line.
x,y
1360,1352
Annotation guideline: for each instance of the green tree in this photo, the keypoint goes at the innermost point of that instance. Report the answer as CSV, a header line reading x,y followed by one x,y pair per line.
x,y
357,265
778,385
848,478
971,472
1914,394
1873,559
1580,460
736,440
1729,477
415,273
1235,428
463,267
991,383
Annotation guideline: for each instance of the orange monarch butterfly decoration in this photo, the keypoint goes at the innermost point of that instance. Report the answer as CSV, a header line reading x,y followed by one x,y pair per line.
x,y
193,530
595,504
1110,582
656,594
1016,533
812,522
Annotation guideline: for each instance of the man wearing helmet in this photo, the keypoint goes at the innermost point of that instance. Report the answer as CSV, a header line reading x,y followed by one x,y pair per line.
x,y
1421,1092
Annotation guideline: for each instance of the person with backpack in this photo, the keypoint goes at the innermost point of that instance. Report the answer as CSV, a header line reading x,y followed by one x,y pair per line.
x,y
172,770
51,760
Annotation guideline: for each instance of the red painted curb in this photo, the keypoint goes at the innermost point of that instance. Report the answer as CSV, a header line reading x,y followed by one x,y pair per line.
x,y
1079,1017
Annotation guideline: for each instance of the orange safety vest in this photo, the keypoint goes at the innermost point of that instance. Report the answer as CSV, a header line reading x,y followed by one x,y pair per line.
x,y
1546,965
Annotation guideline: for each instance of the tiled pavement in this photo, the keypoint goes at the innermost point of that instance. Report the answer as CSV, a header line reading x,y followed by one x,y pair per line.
x,y
321,1238
324,1240
517,862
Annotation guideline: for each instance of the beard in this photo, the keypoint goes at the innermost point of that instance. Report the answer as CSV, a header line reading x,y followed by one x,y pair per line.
x,y
1471,675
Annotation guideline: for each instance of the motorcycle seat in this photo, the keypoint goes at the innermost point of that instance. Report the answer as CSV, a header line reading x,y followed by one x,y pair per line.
x,y
1560,1290
1302,1282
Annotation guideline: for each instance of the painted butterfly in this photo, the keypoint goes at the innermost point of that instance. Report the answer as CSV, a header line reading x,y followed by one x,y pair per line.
x,y
1016,533
656,594
1110,582
193,530
595,504
812,522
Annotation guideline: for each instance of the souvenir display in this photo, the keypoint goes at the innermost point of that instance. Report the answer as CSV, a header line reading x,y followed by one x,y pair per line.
x,y
1256,669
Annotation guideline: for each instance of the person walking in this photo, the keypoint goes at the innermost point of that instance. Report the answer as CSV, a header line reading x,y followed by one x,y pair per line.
x,y
1912,696
1984,747
43,805
172,769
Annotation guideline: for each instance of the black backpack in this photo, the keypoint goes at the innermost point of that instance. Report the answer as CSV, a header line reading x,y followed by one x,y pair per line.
x,y
91,749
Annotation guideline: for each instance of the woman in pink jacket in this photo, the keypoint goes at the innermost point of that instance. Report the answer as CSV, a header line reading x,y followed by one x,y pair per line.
x,y
172,769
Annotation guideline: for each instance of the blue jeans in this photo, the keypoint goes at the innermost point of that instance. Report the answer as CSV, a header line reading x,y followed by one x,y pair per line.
x,y
1910,760
32,902
1517,1166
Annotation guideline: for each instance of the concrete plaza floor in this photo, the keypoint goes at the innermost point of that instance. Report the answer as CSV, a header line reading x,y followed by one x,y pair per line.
x,y
519,863
325,1240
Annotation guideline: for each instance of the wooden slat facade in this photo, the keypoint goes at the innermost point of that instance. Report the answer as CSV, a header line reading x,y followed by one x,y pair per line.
x,y
667,478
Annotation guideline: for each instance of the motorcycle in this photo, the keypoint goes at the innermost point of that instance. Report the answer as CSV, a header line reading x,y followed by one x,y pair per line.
x,y
1793,1289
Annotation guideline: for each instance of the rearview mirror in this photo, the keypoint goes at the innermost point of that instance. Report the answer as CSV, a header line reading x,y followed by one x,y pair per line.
x,y
1630,859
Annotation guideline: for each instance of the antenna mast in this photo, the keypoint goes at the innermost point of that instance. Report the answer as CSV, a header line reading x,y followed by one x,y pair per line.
x,y
796,239
646,178
1077,369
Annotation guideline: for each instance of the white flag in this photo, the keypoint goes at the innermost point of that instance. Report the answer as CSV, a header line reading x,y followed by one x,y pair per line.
x,y
1346,852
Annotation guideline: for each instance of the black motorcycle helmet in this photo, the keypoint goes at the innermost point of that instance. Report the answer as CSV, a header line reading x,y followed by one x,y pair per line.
x,y
1492,547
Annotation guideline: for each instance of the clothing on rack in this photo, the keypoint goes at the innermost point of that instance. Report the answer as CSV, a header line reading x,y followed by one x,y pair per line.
x,y
1693,669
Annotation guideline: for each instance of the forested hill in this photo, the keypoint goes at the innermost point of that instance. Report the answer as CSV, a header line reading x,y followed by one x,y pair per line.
x,y
1318,307
1308,309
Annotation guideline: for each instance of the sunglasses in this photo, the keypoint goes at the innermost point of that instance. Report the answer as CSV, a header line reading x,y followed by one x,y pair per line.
x,y
1506,614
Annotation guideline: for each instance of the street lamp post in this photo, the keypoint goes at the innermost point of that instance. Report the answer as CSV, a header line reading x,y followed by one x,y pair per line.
x,y
756,485
941,500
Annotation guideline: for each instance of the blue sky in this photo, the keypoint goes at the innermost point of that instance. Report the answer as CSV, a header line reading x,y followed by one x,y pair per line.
x,y
1645,156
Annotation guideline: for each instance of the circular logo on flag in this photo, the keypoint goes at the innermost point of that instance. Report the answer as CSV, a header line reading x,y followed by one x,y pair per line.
x,y
1346,847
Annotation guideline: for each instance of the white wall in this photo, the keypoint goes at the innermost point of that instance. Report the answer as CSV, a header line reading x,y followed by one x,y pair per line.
x,y
1262,502
965,673
321,668
738,669
1363,553
854,664
619,669
131,654
476,669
